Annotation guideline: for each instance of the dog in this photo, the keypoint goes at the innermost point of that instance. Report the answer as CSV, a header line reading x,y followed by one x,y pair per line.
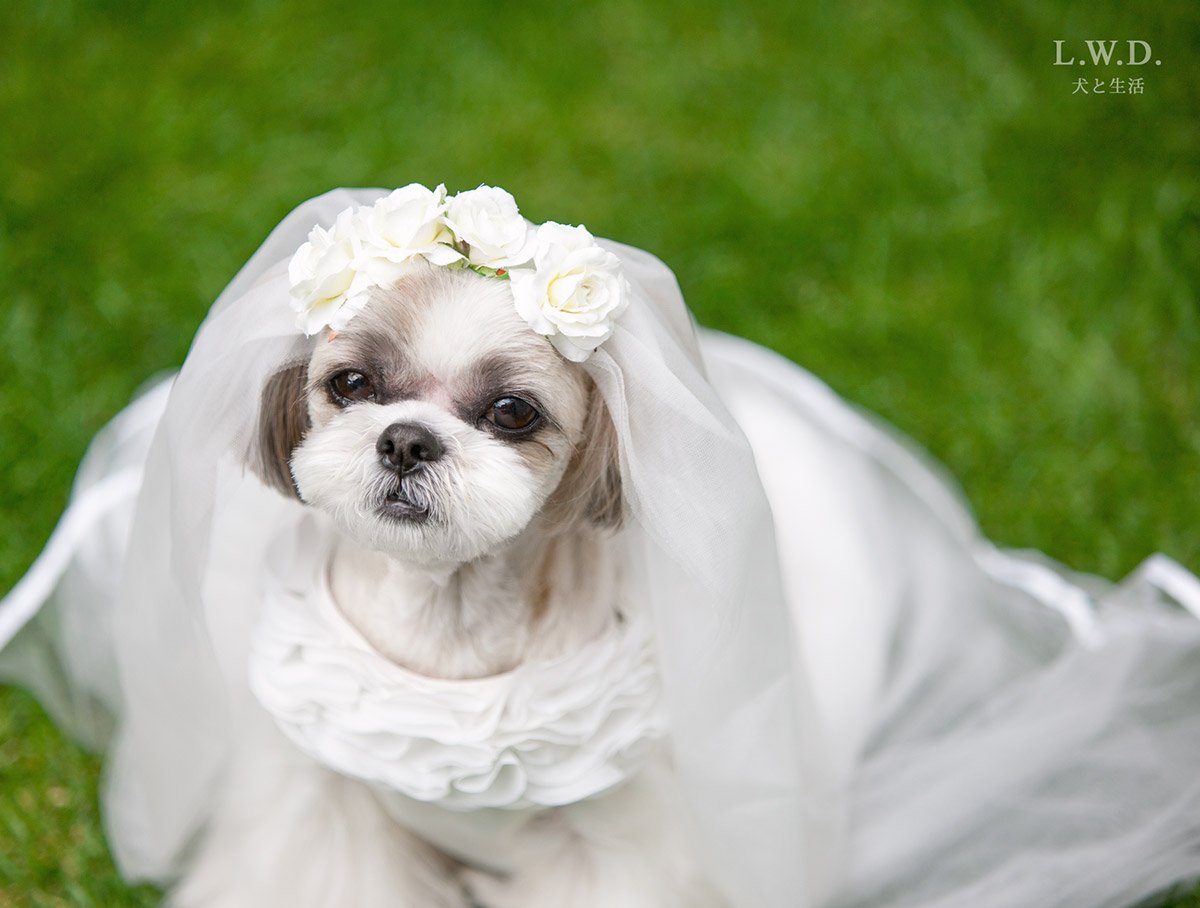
x,y
467,479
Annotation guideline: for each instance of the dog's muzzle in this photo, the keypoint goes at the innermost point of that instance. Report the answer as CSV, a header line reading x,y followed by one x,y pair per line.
x,y
407,446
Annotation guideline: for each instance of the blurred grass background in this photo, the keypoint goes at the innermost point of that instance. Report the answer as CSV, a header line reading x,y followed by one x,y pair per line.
x,y
907,197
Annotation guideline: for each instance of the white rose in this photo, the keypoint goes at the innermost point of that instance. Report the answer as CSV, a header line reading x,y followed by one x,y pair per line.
x,y
323,278
488,221
574,292
400,227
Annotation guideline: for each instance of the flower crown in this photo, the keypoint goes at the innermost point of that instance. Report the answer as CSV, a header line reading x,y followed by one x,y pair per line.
x,y
564,284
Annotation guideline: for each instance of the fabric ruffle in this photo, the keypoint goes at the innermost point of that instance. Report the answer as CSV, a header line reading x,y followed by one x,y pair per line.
x,y
543,734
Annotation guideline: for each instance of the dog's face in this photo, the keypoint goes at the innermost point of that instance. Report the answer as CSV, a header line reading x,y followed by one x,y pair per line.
x,y
436,425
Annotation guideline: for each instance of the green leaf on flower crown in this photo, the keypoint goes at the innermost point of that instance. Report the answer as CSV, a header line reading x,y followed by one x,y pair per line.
x,y
501,273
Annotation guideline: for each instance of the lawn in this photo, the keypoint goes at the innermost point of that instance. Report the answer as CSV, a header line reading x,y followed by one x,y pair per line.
x,y
907,197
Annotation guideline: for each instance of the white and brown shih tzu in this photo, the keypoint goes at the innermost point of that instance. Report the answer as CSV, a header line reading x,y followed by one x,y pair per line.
x,y
468,713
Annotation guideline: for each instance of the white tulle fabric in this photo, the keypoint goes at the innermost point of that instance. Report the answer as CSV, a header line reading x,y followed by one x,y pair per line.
x,y
869,704
543,734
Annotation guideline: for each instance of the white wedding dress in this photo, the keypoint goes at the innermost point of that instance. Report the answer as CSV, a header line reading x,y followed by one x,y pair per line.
x,y
893,712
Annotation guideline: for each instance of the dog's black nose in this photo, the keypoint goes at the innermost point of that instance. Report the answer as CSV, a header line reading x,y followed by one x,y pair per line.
x,y
404,446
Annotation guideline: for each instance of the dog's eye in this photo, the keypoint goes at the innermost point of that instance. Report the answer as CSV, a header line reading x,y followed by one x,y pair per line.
x,y
511,414
352,386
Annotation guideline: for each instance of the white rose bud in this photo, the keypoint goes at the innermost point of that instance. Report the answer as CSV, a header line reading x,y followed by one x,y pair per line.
x,y
323,278
488,221
400,227
574,292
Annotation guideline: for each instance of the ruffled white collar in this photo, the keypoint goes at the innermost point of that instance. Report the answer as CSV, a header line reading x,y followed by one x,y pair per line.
x,y
544,734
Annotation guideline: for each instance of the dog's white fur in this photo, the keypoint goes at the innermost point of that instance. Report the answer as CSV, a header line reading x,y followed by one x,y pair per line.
x,y
519,558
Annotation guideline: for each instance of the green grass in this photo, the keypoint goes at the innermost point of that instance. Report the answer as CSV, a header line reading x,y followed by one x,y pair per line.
x,y
903,196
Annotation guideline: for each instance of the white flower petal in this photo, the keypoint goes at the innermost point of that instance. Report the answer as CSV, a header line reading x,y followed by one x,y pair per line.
x,y
570,349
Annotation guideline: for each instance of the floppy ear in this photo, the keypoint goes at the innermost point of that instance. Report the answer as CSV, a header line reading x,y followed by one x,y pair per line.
x,y
591,486
282,422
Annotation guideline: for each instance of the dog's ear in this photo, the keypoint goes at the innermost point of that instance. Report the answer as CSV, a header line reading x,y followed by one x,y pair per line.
x,y
591,487
282,422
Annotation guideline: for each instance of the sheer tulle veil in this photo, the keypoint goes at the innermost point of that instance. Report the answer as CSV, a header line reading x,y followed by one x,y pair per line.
x,y
869,704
